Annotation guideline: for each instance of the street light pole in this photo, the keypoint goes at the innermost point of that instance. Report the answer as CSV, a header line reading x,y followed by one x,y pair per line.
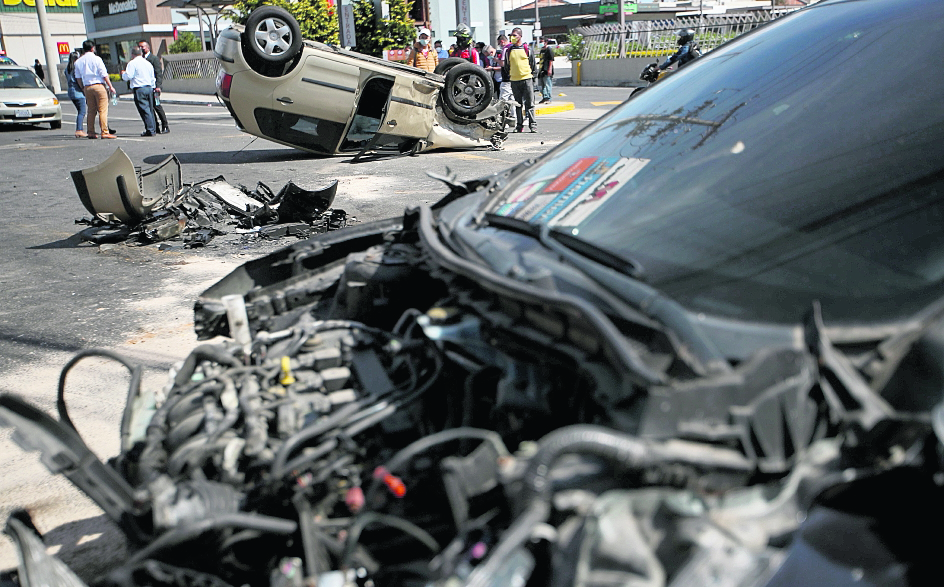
x,y
52,59
537,20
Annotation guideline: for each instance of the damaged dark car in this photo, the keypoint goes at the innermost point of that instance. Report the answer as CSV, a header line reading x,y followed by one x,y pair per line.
x,y
698,343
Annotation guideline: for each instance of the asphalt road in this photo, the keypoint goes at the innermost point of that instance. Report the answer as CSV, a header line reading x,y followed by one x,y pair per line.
x,y
60,295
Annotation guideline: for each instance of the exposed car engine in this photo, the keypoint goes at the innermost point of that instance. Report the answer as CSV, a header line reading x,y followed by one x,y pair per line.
x,y
381,423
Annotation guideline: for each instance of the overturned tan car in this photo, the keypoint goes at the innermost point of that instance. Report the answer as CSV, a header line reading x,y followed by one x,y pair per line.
x,y
323,99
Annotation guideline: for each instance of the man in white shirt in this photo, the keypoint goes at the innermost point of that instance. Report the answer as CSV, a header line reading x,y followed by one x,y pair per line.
x,y
92,77
140,77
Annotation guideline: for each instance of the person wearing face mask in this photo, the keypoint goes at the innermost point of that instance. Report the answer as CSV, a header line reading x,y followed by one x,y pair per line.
x,y
442,53
421,54
518,60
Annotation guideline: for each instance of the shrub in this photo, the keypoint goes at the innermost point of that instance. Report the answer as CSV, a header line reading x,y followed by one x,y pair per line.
x,y
574,49
186,42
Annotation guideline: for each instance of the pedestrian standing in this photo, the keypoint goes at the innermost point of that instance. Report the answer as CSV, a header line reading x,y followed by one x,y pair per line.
x,y
546,72
76,95
156,106
421,54
520,62
492,66
504,89
440,52
92,77
40,73
140,77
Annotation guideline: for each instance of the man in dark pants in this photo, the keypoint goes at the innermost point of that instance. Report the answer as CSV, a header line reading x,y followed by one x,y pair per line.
x,y
156,107
140,77
519,61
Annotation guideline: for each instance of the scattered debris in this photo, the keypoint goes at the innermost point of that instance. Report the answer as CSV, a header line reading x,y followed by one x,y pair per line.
x,y
152,205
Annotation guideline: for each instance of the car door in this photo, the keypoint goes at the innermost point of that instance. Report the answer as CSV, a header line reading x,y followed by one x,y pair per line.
x,y
312,108
411,108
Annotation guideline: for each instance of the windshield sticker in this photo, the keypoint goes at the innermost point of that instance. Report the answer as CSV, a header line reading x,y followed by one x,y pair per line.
x,y
590,180
520,197
592,197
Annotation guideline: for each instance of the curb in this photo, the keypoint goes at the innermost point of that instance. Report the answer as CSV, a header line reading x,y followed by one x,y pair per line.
x,y
553,108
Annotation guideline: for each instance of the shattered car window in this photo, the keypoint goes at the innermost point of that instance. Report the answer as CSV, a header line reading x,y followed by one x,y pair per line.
x,y
730,195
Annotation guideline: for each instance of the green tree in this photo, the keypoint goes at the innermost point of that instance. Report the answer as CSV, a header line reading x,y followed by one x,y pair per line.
x,y
316,18
318,21
186,43
376,34
400,27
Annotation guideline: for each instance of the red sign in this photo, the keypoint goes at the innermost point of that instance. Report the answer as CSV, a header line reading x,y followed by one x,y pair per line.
x,y
63,48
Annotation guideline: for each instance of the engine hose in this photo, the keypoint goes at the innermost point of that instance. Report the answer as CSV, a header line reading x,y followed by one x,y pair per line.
x,y
309,432
624,450
300,461
154,457
181,534
61,397
407,527
204,352
627,451
375,418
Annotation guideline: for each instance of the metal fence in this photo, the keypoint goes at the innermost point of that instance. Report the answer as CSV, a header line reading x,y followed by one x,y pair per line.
x,y
656,38
190,65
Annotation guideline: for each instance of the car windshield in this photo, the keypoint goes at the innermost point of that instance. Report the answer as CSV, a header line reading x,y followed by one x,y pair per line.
x,y
771,173
19,79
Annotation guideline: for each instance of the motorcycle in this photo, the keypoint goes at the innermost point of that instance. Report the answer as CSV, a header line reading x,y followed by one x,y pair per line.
x,y
650,75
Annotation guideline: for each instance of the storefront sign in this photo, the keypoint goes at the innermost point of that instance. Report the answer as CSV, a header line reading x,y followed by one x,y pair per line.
x,y
612,6
100,9
63,48
30,6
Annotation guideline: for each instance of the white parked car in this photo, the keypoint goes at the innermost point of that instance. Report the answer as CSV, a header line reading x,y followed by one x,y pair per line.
x,y
24,99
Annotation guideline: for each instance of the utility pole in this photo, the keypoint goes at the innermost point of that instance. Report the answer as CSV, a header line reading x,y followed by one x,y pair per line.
x,y
496,19
52,58
622,33
537,22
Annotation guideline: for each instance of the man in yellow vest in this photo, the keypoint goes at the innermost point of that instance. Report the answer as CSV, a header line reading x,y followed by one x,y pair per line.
x,y
518,60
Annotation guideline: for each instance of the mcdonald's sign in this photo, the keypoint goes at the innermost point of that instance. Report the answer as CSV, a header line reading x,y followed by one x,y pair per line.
x,y
63,48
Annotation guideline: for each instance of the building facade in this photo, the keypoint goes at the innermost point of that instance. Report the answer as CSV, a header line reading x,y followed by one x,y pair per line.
x,y
116,26
19,29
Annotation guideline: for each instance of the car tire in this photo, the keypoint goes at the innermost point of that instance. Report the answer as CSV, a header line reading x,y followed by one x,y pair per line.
x,y
468,89
448,63
272,36
55,125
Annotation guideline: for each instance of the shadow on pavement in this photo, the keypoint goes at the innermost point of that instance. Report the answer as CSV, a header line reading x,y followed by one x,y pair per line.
x,y
90,546
72,242
235,157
